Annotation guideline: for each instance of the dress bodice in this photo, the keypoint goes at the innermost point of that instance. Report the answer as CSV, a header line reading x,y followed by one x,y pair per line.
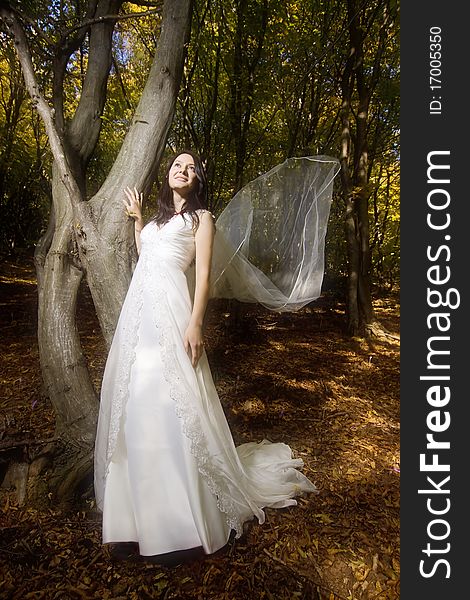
x,y
171,244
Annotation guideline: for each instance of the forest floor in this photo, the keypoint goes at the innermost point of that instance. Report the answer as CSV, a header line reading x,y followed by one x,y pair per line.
x,y
296,378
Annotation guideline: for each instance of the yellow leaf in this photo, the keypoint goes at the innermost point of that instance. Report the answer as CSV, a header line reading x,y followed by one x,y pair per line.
x,y
324,518
334,550
396,565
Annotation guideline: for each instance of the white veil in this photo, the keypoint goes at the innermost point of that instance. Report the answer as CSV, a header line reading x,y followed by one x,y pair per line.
x,y
270,239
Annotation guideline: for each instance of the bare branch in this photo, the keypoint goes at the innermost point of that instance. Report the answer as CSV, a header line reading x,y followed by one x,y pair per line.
x,y
24,55
63,51
39,32
104,18
86,124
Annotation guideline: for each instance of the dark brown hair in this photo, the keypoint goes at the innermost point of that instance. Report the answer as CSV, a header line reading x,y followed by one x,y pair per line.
x,y
197,199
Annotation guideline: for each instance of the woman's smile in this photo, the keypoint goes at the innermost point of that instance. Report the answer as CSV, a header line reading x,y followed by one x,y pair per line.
x,y
182,175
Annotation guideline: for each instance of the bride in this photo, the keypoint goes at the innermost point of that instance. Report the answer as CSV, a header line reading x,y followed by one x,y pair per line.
x,y
167,473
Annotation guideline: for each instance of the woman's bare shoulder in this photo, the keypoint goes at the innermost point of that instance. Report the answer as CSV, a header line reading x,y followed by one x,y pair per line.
x,y
206,225
205,213
206,219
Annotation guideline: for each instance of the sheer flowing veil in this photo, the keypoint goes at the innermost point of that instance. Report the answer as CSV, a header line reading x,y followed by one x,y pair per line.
x,y
270,239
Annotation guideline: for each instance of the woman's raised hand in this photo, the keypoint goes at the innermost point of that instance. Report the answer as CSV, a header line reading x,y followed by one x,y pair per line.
x,y
133,203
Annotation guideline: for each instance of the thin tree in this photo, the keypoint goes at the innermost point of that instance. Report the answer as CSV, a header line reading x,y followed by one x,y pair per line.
x,y
358,83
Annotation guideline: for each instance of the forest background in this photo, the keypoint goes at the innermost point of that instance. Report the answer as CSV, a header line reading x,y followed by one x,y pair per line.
x,y
253,82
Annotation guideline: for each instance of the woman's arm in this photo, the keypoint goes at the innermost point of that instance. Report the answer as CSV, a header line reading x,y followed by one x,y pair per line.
x,y
193,340
134,210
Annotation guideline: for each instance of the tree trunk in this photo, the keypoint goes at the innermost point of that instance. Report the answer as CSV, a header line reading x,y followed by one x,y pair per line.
x,y
242,84
106,235
94,239
354,175
65,374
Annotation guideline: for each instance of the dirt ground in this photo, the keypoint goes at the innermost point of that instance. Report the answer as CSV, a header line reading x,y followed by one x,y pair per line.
x,y
295,378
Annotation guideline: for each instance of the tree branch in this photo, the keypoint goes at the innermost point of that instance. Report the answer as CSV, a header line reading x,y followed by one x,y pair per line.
x,y
24,55
39,32
63,50
85,126
144,142
105,18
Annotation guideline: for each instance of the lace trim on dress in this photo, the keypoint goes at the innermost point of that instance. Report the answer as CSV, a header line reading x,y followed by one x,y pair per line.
x,y
190,419
130,337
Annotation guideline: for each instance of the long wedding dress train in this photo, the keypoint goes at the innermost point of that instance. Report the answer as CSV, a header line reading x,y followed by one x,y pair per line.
x,y
167,472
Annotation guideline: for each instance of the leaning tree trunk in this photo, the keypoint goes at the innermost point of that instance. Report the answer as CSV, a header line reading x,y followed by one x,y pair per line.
x,y
67,380
106,237
93,239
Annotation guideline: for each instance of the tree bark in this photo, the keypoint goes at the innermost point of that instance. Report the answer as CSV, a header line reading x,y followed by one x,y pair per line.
x,y
107,239
354,172
93,239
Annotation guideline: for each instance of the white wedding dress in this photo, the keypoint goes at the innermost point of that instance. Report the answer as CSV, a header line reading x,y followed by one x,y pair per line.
x,y
167,472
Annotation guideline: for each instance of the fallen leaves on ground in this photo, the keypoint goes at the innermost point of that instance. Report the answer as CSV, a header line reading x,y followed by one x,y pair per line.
x,y
295,378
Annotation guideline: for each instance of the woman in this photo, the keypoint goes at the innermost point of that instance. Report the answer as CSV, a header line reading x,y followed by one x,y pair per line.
x,y
167,473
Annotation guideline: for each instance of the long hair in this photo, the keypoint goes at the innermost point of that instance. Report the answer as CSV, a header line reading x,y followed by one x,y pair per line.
x,y
197,198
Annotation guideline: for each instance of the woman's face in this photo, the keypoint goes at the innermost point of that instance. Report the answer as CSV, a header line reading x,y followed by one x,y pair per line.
x,y
182,176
